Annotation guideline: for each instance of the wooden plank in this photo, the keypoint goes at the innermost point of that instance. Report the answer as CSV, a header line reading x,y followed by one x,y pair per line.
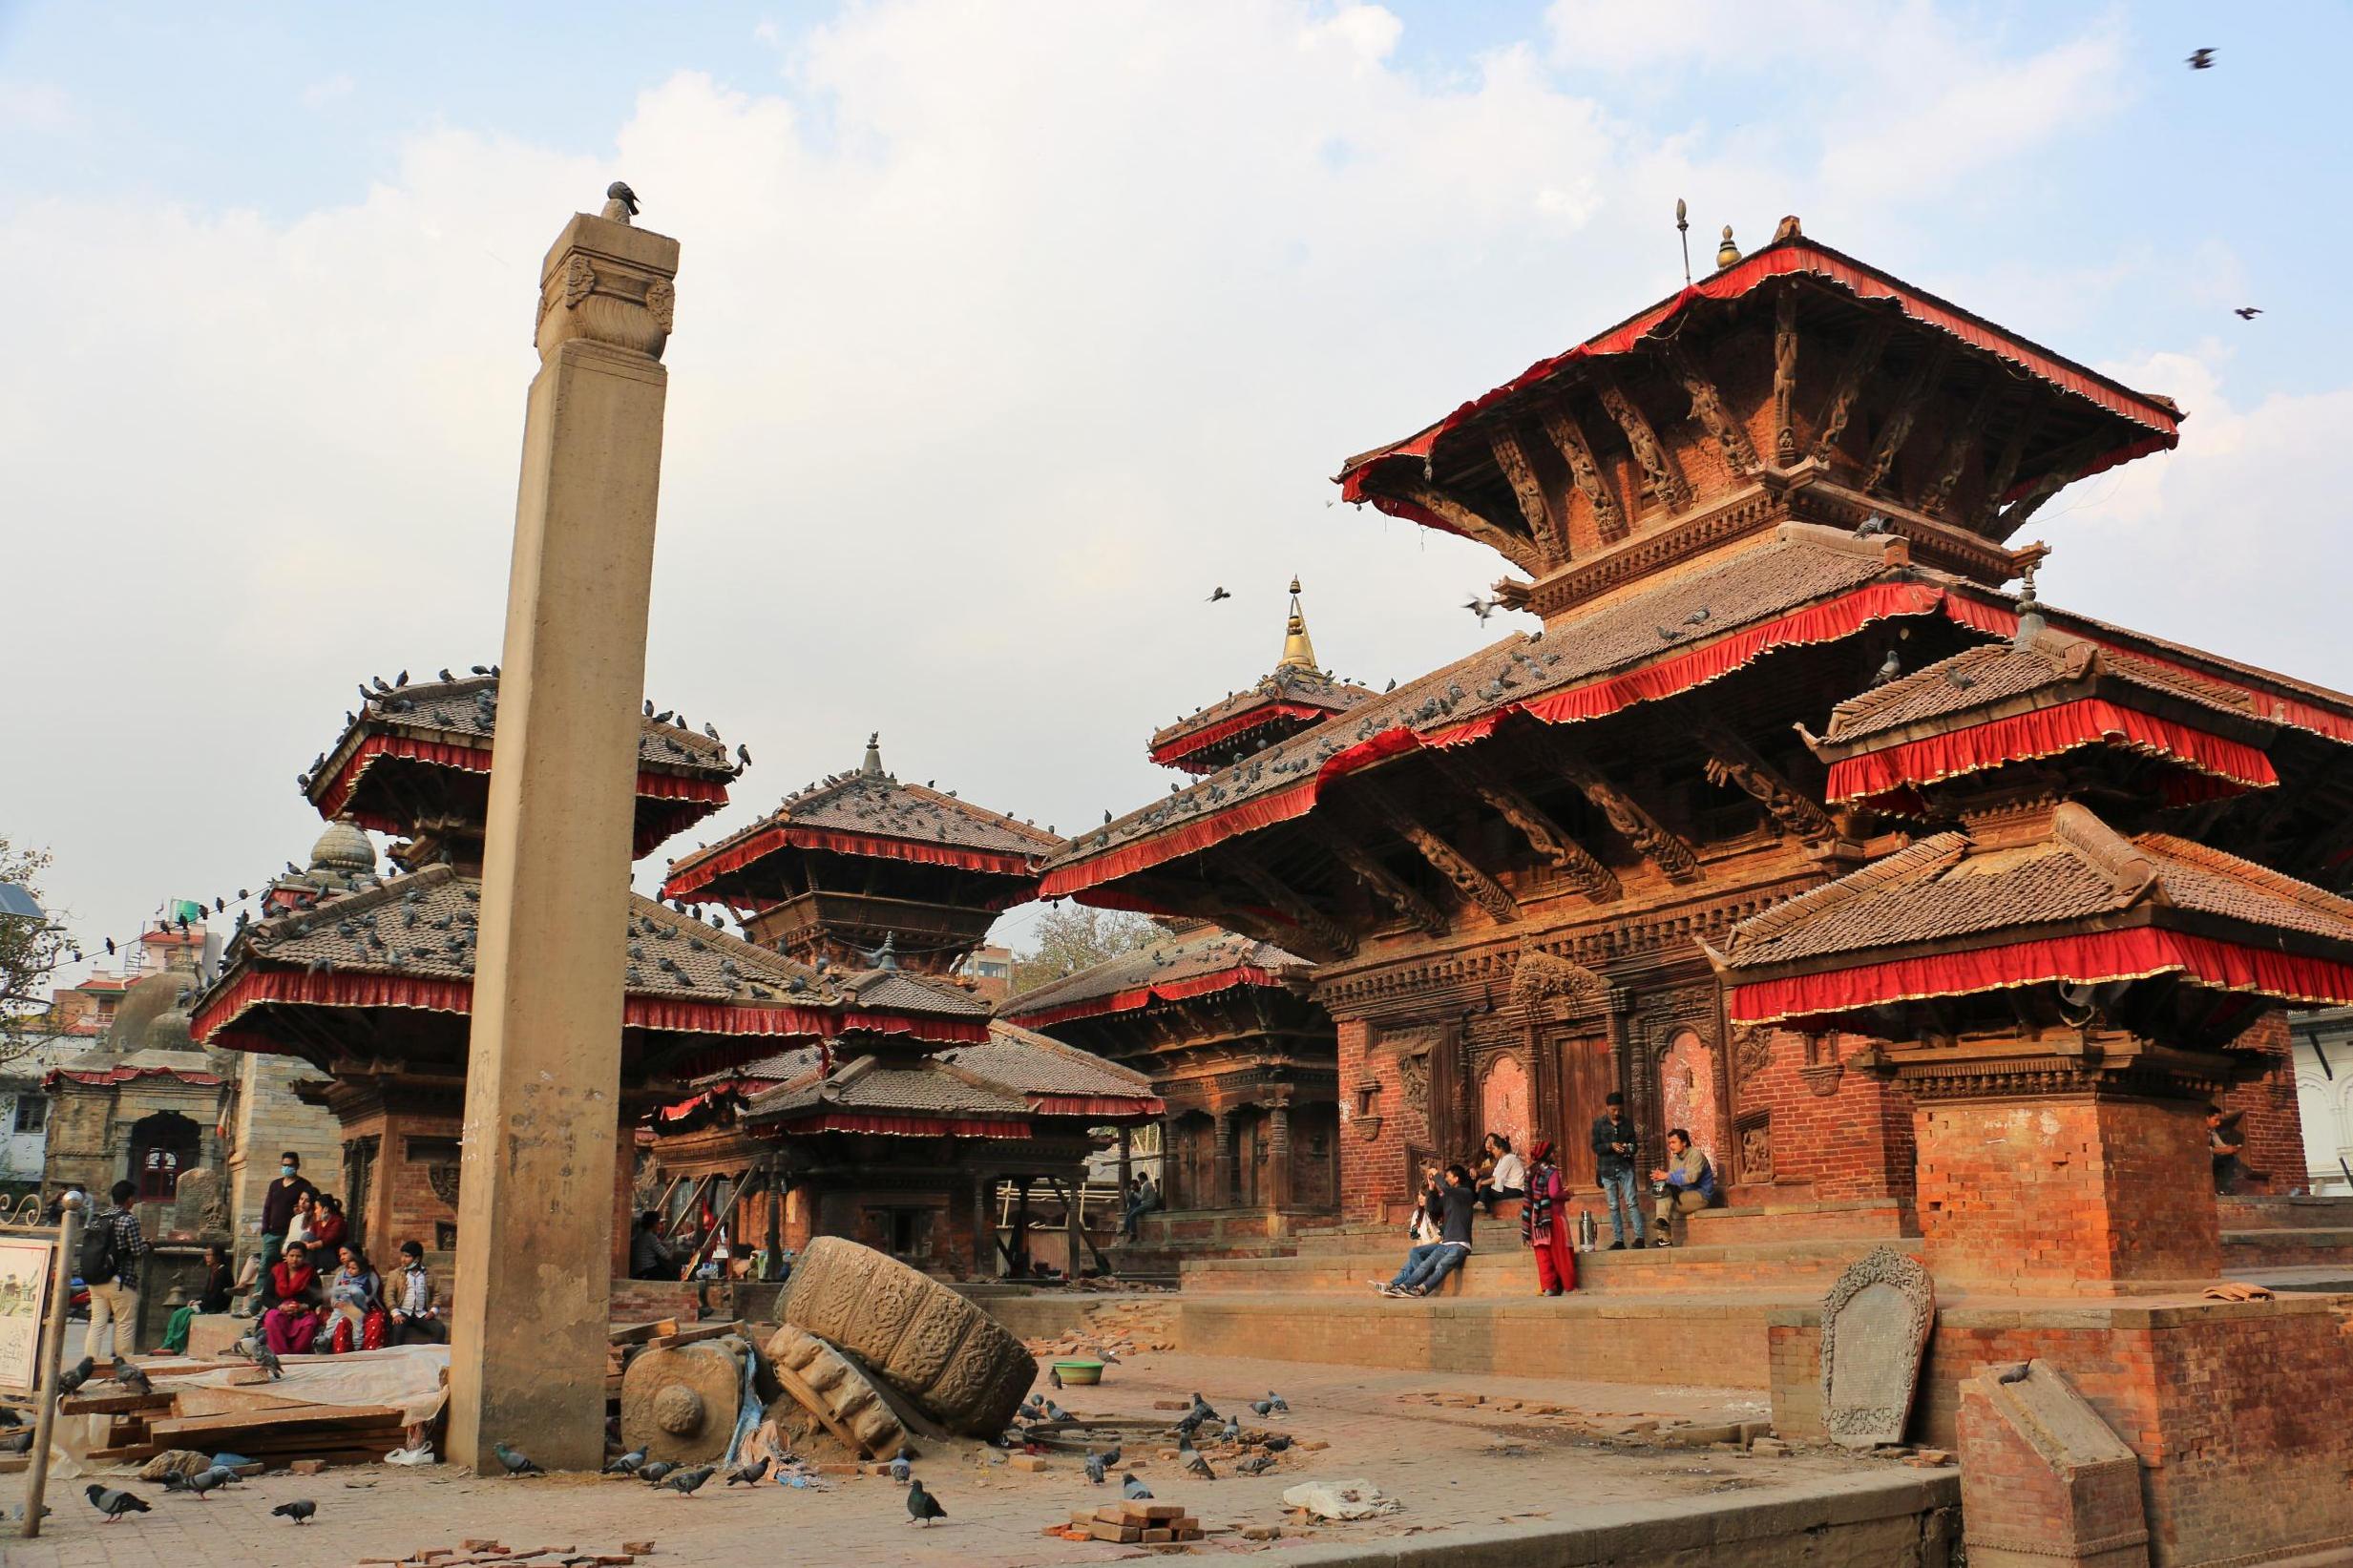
x,y
638,1333
113,1403
696,1334
132,1451
320,1418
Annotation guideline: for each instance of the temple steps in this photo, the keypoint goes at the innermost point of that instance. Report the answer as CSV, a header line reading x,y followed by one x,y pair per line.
x,y
1501,1268
2300,1213
2283,1248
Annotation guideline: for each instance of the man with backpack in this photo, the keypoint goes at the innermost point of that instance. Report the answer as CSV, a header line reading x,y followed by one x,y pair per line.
x,y
1687,1186
111,1251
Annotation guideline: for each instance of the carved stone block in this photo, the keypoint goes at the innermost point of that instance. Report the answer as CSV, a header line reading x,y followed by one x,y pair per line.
x,y
835,1391
680,1402
1874,1330
944,1356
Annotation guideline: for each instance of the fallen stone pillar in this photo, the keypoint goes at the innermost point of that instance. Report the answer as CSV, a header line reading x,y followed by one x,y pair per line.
x,y
2043,1482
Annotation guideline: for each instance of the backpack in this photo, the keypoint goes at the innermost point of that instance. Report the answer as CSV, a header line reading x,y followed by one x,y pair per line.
x,y
99,1260
1707,1178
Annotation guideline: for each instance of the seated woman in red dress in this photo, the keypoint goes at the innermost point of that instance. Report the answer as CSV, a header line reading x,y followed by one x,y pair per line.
x,y
290,1326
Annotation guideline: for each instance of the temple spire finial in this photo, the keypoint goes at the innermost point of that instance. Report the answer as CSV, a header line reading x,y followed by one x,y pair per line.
x,y
871,768
1298,652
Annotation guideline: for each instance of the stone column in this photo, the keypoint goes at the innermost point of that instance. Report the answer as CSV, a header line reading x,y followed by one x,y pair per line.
x,y
1220,1162
1278,1158
1126,1166
534,1271
984,1231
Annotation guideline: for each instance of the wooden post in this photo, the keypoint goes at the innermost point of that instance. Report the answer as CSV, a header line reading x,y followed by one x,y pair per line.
x,y
1221,1161
1127,1167
984,1232
1278,1158
533,1276
53,1357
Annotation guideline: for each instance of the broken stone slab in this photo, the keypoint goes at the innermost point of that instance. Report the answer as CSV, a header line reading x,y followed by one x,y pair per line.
x,y
1876,1321
837,1391
950,1360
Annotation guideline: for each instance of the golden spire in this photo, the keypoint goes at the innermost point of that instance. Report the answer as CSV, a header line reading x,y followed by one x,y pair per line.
x,y
1298,652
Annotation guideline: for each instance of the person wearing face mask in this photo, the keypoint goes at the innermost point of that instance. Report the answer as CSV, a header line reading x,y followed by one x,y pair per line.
x,y
279,1202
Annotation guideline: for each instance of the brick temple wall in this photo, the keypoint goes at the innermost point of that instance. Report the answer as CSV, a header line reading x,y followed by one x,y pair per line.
x,y
2270,1122
269,1121
1832,1133
1373,1168
2060,1193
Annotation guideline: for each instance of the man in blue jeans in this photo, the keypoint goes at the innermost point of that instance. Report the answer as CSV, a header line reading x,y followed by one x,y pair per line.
x,y
1426,1266
1613,1166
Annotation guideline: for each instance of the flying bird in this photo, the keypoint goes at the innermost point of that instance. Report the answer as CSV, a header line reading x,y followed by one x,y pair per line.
x,y
517,1462
922,1508
2201,59
1219,593
2248,312
300,1511
114,1504
1482,608
621,203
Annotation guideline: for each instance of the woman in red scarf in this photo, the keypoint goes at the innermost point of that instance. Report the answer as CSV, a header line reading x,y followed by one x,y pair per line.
x,y
1544,1223
290,1326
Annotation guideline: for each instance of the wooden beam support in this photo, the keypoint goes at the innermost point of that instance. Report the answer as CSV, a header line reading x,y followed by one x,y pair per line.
x,y
2066,468
1637,827
1732,763
1785,376
1469,522
1936,497
1326,933
1546,837
2005,465
1548,528
1708,408
1665,478
1449,861
1204,903
1909,403
1383,883
1568,439
1840,408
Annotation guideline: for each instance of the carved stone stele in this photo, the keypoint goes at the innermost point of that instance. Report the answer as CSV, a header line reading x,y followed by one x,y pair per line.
x,y
610,283
949,1359
1874,1330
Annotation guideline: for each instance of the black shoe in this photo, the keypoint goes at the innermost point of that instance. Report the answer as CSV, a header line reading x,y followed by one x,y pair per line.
x,y
1616,1247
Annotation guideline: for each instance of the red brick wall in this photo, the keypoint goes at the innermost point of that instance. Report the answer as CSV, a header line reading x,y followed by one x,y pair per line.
x,y
2058,1193
1837,1133
1371,1169
2269,1120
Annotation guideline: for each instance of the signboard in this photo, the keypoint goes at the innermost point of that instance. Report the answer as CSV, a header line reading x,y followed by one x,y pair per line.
x,y
27,1268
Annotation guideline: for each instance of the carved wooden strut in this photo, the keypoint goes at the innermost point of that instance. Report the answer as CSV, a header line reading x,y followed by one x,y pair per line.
x,y
1449,861
1535,506
1568,437
1665,478
1546,837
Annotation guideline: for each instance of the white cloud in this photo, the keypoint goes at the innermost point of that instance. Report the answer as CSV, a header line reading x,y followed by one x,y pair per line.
x,y
996,347
326,90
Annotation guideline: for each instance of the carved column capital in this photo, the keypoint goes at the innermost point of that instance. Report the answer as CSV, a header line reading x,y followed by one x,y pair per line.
x,y
608,283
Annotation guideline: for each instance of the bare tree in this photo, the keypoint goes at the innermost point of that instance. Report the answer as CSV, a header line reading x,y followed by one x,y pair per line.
x,y
1069,937
30,950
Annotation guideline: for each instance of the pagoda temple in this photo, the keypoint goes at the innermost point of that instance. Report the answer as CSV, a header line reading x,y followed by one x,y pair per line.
x,y
894,1142
370,981
1284,701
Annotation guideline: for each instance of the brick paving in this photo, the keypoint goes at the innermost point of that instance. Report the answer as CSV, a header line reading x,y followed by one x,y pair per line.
x,y
1456,1467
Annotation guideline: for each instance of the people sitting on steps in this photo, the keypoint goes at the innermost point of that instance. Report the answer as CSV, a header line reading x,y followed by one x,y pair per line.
x,y
1506,1173
1685,1186
1613,1169
1427,1266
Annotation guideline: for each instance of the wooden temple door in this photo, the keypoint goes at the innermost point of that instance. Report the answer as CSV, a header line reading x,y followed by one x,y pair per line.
x,y
1586,1077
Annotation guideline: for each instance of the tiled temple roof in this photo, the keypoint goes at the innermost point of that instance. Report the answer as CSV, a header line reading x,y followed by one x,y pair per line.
x,y
1030,1063
1287,696
1168,970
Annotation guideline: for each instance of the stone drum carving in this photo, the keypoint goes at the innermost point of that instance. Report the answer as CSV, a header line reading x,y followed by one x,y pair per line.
x,y
1874,1330
947,1357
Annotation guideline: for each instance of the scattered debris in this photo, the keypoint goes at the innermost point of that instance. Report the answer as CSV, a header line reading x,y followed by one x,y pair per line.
x,y
1340,1501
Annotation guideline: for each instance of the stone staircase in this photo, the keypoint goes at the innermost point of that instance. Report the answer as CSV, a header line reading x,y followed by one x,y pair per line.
x,y
2261,1235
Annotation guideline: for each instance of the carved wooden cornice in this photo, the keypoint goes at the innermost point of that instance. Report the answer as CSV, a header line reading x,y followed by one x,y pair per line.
x,y
1568,439
1840,408
1377,879
1449,861
1656,462
1540,980
1785,377
1952,464
1546,526
1662,849
1708,408
1546,837
1471,523
1909,403
1327,934
1745,511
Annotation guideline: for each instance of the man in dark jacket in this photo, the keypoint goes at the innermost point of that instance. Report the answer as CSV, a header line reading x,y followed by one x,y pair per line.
x,y
1613,1167
279,1201
1427,1266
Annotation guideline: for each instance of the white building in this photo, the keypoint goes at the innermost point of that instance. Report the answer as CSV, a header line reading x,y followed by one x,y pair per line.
x,y
2324,1095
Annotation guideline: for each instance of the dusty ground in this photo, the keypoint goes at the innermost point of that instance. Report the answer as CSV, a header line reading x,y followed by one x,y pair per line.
x,y
1454,1467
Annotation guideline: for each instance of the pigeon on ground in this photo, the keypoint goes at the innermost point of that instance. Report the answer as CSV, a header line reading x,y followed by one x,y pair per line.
x,y
1200,1466
922,1508
1262,1408
1281,1406
260,1354
131,1377
76,1375
1201,1411
902,1466
114,1504
1257,1464
516,1463
750,1474
652,1474
1232,1431
1056,1412
685,1482
204,1481
1111,1454
1054,1378
628,1463
17,1442
1133,1490
1275,1445
299,1510
1095,1472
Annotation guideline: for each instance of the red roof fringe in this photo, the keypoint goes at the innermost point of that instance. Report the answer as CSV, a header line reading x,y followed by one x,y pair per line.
x,y
2091,959
691,875
2045,732
1240,723
1825,622
1127,1001
129,1074
710,793
1783,259
903,1126
1098,1107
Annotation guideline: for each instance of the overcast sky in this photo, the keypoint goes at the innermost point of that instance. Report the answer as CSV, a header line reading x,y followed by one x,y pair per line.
x,y
1006,331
